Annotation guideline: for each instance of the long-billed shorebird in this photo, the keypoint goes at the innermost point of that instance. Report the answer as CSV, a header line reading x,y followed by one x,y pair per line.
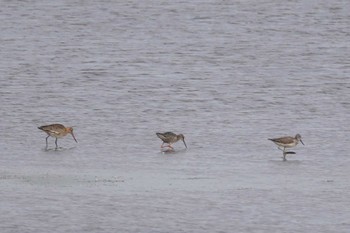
x,y
56,131
287,142
170,138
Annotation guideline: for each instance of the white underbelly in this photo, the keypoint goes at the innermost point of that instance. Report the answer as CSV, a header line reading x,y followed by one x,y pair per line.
x,y
286,145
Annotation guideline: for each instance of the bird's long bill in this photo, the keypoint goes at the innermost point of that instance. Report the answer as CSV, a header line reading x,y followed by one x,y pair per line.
x,y
302,142
74,137
184,143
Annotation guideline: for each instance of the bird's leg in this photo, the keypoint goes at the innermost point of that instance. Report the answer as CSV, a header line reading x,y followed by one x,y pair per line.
x,y
47,144
56,143
169,145
162,146
284,154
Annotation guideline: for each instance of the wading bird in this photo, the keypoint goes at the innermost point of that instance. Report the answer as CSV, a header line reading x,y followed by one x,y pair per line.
x,y
170,138
56,131
287,142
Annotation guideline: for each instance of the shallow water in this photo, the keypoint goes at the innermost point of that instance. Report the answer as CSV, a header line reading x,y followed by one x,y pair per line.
x,y
226,74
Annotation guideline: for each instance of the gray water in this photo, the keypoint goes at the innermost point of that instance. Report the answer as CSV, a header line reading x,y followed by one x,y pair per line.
x,y
226,74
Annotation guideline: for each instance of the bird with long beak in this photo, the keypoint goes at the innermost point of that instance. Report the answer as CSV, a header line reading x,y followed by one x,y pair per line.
x,y
57,131
170,138
287,142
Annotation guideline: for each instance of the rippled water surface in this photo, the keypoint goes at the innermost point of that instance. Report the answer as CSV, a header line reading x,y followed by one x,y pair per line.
x,y
226,74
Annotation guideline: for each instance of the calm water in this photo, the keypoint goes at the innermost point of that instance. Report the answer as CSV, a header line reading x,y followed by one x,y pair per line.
x,y
226,74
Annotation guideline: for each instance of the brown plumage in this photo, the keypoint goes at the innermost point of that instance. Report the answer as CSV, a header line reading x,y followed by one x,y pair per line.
x,y
170,138
57,131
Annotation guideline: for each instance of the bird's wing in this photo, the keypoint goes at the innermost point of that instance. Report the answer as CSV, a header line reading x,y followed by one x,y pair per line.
x,y
161,136
284,140
169,134
166,136
51,131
